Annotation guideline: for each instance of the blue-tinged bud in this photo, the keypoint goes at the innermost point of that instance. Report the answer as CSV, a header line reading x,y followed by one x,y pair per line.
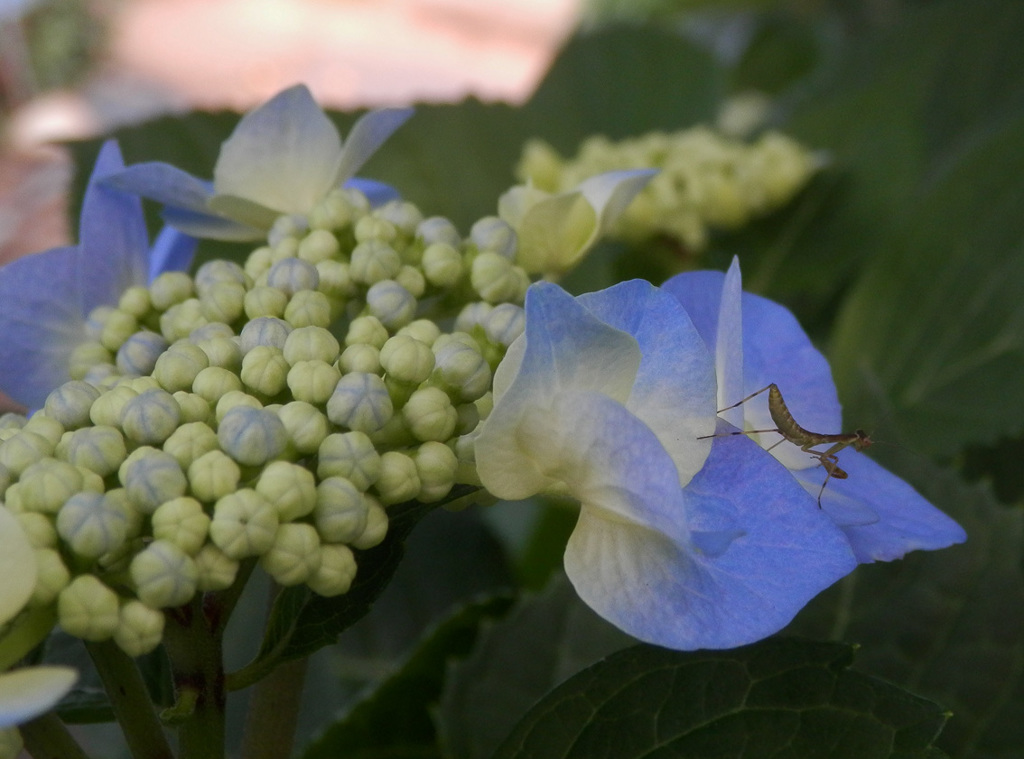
x,y
244,524
139,353
69,404
214,274
100,449
293,274
472,315
264,331
351,455
460,366
405,217
492,234
360,402
504,324
392,304
164,576
152,479
150,417
252,436
232,399
438,229
92,525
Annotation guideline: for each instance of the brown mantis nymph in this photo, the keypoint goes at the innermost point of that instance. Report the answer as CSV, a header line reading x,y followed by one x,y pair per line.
x,y
787,426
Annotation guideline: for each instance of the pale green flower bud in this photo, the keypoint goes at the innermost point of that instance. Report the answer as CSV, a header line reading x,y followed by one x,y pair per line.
x,y
373,261
406,359
319,245
307,426
351,455
69,404
194,407
293,274
466,455
189,442
139,353
183,522
264,370
366,330
469,418
252,436
100,449
170,288
374,229
494,278
150,417
504,324
12,496
244,524
360,358
178,367
213,382
38,528
391,303
232,399
164,576
295,555
88,609
333,212
438,229
286,230
12,421
45,485
290,488
398,479
95,320
436,465
140,384
91,481
259,262
313,381
11,743
140,628
265,330
50,429
213,275
152,479
181,319
336,280
52,576
462,368
423,330
336,572
412,279
135,301
492,234
224,352
429,414
309,344
265,301
108,409
213,475
442,265
360,402
309,308
341,510
405,217
223,303
117,328
85,356
103,376
472,315
216,571
376,525
210,331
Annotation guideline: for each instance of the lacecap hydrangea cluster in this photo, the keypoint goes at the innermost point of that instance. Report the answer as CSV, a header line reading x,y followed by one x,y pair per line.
x,y
217,419
706,180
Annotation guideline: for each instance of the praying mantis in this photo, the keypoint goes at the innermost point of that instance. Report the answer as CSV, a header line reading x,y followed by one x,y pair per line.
x,y
790,430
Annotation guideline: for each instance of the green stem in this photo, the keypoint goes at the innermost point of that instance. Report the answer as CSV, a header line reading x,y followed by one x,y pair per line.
x,y
130,701
46,737
274,712
193,640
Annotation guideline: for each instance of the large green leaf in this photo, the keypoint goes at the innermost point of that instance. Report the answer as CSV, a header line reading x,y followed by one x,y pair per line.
x,y
946,624
778,698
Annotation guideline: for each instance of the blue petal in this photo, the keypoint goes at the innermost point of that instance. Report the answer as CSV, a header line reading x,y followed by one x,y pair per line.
x,y
378,193
904,521
172,251
113,244
41,322
773,550
674,390
164,183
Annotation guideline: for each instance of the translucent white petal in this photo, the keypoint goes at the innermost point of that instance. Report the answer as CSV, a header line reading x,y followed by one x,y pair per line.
x,y
367,134
27,693
610,193
728,348
17,566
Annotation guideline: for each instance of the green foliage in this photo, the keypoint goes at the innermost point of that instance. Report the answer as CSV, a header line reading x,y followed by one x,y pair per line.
x,y
777,698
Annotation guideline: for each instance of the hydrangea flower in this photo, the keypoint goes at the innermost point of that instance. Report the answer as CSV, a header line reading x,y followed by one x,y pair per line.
x,y
282,158
683,541
47,296
757,342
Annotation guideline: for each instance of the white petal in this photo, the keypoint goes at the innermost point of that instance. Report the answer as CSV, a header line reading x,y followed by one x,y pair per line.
x,y
368,134
27,693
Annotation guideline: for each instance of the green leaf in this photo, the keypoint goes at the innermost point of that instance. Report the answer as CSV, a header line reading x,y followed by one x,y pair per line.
x,y
541,642
301,621
776,698
396,719
932,335
946,624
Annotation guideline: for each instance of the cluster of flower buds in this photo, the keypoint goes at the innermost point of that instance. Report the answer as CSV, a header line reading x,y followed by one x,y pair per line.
x,y
706,179
270,411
